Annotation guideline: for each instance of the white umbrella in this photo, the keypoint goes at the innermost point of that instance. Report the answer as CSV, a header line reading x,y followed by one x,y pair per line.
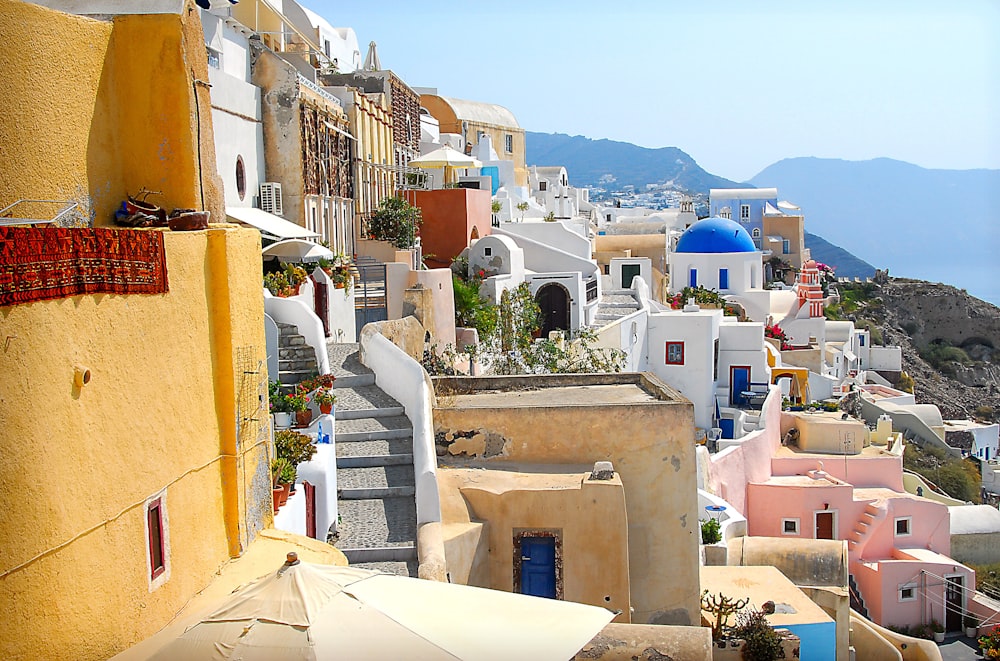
x,y
297,250
306,611
445,157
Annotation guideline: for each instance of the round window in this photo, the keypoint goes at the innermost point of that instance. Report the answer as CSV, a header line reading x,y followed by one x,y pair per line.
x,y
241,178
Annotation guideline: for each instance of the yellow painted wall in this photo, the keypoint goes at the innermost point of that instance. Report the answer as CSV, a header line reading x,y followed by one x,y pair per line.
x,y
160,411
589,516
371,124
98,109
651,445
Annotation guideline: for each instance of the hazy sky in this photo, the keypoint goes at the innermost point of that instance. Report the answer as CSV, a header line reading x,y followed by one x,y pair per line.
x,y
736,84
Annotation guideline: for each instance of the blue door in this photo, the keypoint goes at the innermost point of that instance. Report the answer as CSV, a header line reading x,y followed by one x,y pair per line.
x,y
739,381
723,279
728,426
538,566
693,278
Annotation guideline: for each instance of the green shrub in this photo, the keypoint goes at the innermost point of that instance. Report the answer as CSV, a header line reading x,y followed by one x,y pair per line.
x,y
711,531
762,642
293,446
395,221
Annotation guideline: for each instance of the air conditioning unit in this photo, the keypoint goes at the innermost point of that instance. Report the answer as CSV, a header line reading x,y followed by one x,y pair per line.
x,y
270,198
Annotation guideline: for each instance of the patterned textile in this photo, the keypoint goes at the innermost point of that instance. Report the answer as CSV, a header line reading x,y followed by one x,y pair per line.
x,y
39,263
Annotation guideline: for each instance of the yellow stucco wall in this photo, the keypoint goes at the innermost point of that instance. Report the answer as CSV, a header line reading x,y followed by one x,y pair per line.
x,y
588,515
168,400
98,109
650,444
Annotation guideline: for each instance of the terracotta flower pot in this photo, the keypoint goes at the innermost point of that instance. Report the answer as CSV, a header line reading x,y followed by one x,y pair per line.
x,y
303,418
286,489
276,492
326,409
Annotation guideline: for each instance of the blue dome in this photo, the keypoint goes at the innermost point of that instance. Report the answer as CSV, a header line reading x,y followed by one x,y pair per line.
x,y
715,235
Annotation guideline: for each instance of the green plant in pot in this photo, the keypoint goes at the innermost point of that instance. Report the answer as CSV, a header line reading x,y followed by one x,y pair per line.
x,y
282,479
325,398
711,531
293,446
298,403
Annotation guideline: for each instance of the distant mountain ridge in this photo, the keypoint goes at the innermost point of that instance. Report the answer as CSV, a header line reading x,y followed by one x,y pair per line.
x,y
847,264
935,225
587,161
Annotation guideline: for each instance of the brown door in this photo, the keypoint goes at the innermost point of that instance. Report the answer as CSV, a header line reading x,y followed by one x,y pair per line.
x,y
310,509
321,304
824,525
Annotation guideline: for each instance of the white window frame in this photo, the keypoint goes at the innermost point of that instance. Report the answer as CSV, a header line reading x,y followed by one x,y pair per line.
x,y
796,522
909,526
744,212
906,586
508,142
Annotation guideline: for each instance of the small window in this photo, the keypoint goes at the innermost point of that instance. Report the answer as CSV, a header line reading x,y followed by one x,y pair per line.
x,y
786,246
789,526
903,525
723,279
744,212
675,353
156,538
693,278
508,140
908,592
756,233
488,252
241,178
214,60
543,185
607,269
861,340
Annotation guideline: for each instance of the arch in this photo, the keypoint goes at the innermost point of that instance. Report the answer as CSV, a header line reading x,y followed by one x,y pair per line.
x,y
554,301
474,234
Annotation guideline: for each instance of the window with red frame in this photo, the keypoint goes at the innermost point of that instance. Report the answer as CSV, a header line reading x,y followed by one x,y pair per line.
x,y
154,525
675,353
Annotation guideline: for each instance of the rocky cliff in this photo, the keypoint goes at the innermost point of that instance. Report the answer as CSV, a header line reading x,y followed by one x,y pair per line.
x,y
950,341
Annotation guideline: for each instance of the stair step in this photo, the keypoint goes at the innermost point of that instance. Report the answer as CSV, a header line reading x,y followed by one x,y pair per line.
x,y
291,377
381,554
405,459
399,568
379,447
375,477
377,435
375,493
357,414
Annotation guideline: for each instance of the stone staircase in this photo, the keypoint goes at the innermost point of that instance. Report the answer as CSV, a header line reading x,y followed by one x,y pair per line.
x,y
615,304
375,481
296,359
863,529
857,602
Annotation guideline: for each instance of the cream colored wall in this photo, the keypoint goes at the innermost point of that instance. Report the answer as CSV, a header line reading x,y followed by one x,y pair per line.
x,y
160,412
652,447
87,119
628,642
589,516
826,432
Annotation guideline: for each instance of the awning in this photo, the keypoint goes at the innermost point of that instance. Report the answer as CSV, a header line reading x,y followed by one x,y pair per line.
x,y
269,224
849,355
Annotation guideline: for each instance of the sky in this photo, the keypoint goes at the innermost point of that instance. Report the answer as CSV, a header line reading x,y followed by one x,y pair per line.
x,y
737,85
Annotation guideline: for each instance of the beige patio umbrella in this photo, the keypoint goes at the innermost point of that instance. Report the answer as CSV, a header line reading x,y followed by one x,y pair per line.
x,y
297,250
447,158
306,611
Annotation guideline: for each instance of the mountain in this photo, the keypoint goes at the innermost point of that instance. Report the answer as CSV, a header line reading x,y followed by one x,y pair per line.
x,y
936,225
613,164
848,266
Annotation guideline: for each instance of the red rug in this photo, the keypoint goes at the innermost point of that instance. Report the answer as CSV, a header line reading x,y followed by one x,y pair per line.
x,y
40,263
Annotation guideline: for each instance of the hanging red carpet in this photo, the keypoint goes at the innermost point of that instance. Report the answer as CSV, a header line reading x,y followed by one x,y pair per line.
x,y
40,263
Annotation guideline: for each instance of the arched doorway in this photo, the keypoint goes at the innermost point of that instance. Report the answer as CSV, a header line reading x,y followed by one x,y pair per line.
x,y
553,299
474,234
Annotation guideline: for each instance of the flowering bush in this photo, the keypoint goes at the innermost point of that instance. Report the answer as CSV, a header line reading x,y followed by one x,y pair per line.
x,y
776,332
990,643
324,397
297,402
314,382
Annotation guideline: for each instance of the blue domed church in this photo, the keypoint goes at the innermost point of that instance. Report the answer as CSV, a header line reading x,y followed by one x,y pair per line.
x,y
716,253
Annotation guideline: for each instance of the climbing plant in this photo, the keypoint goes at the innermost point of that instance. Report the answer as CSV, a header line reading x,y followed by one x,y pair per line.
x,y
395,221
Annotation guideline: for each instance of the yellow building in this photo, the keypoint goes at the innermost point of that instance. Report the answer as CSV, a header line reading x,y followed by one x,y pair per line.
x,y
532,438
135,458
470,119
371,124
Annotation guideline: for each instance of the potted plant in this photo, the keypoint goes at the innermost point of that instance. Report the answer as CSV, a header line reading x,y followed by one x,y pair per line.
x,y
298,403
325,398
282,477
711,531
971,625
279,407
938,630
989,644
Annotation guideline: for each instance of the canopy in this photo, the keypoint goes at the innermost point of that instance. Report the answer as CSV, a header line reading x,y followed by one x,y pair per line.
x,y
268,223
297,250
445,157
306,611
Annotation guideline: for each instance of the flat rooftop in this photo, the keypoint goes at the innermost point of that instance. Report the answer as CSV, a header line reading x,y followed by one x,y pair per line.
x,y
554,390
762,584
868,452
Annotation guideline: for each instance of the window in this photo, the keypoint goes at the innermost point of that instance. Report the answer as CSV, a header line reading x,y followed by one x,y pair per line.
x,y
789,526
756,233
786,246
241,178
861,340
508,140
908,592
723,279
488,252
903,525
675,353
157,540
744,212
693,278
214,59
543,185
